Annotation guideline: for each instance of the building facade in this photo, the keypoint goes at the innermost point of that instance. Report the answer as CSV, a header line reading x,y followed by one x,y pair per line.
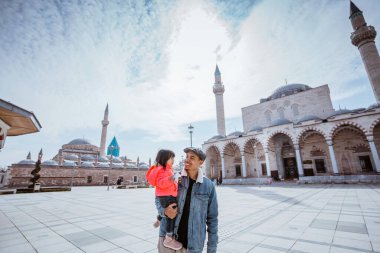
x,y
296,134
79,162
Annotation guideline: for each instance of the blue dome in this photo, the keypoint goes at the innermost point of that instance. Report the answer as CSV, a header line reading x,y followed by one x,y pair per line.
x,y
79,142
279,122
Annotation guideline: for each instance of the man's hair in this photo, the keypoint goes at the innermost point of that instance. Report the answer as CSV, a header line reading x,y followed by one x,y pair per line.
x,y
163,157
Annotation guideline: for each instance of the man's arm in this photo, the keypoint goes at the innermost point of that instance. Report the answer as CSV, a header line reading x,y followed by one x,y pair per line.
x,y
212,222
166,212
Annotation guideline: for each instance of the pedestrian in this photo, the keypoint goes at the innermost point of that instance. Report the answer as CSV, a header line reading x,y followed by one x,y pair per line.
x,y
161,176
197,210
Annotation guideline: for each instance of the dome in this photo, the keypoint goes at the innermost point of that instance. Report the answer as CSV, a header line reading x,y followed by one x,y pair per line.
x,y
216,137
89,158
79,142
103,165
358,110
287,90
71,157
256,128
131,165
279,122
26,162
117,165
339,112
143,166
50,163
373,106
102,159
69,163
87,164
116,159
236,133
308,117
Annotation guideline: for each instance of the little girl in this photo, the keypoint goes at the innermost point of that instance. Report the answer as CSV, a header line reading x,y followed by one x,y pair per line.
x,y
162,177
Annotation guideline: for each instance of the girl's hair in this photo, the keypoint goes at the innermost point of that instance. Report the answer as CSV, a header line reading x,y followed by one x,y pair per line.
x,y
163,157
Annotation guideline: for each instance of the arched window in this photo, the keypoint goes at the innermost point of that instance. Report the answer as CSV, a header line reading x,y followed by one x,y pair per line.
x,y
281,112
295,109
268,116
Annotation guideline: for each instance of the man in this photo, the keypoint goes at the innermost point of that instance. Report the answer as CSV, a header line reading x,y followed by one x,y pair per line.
x,y
197,209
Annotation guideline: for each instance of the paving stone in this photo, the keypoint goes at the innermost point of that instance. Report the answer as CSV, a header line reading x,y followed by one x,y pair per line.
x,y
298,219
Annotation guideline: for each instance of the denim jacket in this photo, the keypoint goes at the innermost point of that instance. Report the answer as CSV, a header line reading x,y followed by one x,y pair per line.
x,y
203,211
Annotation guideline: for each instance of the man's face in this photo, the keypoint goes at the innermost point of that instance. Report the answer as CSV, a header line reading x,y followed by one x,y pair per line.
x,y
192,162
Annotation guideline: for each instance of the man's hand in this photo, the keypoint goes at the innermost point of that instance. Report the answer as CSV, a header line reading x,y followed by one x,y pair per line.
x,y
171,211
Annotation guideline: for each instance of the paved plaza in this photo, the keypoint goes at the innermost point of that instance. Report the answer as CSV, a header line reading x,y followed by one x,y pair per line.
x,y
277,218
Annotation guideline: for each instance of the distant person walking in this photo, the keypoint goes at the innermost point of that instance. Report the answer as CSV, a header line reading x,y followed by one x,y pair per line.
x,y
163,178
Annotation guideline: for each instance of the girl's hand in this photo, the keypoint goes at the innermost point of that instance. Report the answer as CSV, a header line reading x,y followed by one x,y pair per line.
x,y
176,176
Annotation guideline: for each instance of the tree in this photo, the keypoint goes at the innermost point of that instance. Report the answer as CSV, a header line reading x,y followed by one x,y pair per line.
x,y
35,172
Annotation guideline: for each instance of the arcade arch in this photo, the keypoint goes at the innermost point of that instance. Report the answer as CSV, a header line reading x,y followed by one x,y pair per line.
x,y
352,152
213,163
255,159
232,161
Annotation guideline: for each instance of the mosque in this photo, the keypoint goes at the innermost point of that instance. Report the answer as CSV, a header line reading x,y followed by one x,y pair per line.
x,y
80,162
295,134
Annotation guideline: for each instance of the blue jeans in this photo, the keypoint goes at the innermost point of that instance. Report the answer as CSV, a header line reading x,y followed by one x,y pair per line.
x,y
165,201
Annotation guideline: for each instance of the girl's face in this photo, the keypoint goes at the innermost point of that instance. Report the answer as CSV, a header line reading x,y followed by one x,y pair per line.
x,y
170,161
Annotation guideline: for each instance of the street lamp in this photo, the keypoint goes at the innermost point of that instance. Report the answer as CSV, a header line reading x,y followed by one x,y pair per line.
x,y
109,170
191,134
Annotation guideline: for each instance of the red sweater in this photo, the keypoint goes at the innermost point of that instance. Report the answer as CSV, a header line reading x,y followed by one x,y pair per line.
x,y
162,179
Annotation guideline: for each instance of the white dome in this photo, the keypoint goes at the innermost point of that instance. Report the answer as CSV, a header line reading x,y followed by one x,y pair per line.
x,y
87,164
26,162
50,163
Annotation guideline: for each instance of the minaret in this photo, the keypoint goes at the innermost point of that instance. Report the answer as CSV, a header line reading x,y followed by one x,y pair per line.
x,y
364,38
218,89
105,123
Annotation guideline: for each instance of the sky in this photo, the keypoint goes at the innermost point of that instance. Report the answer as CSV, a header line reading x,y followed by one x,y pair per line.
x,y
153,62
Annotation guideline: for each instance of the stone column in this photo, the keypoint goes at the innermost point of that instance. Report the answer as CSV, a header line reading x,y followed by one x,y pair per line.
x,y
223,169
375,155
299,160
244,167
267,161
256,162
332,156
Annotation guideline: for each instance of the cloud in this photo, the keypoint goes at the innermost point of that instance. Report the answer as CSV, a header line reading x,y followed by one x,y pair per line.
x,y
153,61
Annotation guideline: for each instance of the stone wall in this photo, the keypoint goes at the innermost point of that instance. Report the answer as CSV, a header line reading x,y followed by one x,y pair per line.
x,y
315,102
61,176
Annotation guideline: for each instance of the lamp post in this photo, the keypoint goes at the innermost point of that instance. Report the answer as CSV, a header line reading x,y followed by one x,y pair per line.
x,y
191,134
109,170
